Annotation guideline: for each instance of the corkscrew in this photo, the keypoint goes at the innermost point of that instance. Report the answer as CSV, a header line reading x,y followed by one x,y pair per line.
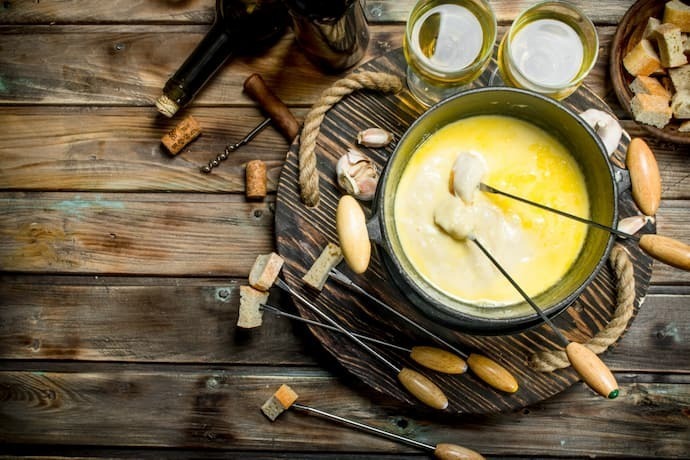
x,y
278,114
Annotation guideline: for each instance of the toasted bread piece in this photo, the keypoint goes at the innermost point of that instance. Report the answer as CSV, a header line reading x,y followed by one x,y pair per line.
x,y
317,275
650,28
651,110
642,59
684,127
648,85
678,13
680,104
670,44
250,307
680,76
265,271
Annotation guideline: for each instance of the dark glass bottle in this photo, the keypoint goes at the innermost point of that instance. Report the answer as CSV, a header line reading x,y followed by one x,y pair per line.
x,y
333,33
240,27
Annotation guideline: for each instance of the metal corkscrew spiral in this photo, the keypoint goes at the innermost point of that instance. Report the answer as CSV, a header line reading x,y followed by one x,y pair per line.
x,y
232,147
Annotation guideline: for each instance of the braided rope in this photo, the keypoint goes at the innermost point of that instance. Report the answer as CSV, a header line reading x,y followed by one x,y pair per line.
x,y
547,361
308,173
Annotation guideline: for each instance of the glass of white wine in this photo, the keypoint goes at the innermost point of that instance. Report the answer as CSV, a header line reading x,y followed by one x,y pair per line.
x,y
550,48
447,45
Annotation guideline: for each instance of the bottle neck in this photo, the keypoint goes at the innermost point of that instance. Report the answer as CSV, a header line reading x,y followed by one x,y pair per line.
x,y
209,55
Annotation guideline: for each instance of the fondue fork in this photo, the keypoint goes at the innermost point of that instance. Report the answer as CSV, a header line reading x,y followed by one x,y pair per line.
x,y
661,248
430,357
417,384
483,367
585,362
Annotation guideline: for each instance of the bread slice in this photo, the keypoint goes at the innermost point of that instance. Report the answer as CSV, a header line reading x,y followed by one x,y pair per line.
x,y
680,104
650,28
279,402
265,271
670,45
317,275
250,307
684,127
648,85
678,13
642,59
680,77
651,110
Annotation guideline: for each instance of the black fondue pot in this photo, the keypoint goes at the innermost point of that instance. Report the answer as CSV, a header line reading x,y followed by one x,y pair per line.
x,y
582,143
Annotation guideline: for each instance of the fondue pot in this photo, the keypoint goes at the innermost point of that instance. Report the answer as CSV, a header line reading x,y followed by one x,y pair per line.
x,y
582,143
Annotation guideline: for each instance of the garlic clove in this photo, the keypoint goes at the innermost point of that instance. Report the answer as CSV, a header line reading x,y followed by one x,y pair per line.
x,y
357,175
633,224
374,137
606,127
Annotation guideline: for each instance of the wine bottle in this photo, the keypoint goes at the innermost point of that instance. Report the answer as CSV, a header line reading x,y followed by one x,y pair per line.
x,y
332,33
240,27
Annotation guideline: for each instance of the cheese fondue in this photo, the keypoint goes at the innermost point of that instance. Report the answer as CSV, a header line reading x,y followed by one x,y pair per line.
x,y
536,247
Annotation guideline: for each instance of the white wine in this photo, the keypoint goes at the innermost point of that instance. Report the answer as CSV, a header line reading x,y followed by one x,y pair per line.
x,y
550,49
447,38
447,45
548,52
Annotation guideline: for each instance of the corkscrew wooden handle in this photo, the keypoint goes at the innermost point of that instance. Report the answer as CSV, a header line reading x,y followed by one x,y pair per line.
x,y
284,120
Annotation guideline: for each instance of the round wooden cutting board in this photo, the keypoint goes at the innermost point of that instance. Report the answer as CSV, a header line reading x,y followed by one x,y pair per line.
x,y
301,234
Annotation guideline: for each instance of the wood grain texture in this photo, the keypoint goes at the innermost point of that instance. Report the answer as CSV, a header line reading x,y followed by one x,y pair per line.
x,y
198,409
161,234
193,321
302,233
201,11
119,149
128,65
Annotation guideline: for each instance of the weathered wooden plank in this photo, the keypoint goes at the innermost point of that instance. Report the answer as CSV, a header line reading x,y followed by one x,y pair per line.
x,y
192,409
673,220
101,65
201,11
118,149
193,321
163,234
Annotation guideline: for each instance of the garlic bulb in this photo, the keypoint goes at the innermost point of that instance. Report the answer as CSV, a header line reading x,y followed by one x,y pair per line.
x,y
374,137
606,127
357,175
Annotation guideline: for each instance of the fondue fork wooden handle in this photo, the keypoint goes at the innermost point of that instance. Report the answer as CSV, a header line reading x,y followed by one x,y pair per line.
x,y
667,250
353,235
417,384
483,367
586,363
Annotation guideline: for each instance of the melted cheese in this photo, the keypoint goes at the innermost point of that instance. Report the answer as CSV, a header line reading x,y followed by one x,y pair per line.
x,y
536,247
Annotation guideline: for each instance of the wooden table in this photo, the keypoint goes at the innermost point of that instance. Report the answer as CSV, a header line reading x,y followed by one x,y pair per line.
x,y
121,264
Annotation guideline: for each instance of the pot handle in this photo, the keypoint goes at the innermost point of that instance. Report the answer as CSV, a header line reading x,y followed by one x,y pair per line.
x,y
622,178
353,235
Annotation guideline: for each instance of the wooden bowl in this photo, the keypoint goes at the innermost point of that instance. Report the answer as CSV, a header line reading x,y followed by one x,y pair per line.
x,y
627,35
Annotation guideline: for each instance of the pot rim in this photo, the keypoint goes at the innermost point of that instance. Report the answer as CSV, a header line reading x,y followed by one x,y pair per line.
x,y
445,314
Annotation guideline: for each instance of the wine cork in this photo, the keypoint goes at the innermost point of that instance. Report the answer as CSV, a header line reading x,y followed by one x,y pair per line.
x,y
185,132
255,176
283,119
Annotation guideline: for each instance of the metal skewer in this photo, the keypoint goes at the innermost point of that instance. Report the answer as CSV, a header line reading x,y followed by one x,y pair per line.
x,y
441,450
429,357
485,368
418,385
661,248
590,367
487,188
